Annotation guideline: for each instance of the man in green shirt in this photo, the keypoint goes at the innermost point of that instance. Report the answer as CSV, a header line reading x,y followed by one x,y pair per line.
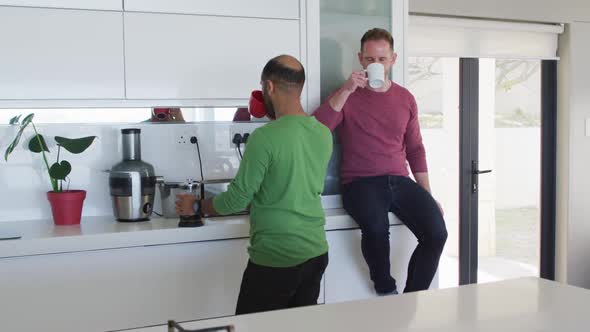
x,y
281,178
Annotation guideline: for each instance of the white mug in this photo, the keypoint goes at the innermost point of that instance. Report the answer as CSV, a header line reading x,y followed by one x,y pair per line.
x,y
376,75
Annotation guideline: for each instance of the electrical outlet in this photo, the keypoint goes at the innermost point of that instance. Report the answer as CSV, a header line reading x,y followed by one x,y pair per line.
x,y
242,129
182,138
233,133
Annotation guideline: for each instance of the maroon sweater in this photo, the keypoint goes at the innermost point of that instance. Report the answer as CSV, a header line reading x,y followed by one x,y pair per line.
x,y
378,132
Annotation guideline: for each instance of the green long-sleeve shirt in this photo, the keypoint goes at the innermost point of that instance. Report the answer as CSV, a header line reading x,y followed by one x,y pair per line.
x,y
282,176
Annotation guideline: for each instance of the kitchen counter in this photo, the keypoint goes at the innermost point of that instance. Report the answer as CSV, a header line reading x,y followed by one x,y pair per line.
x,y
112,276
40,237
529,304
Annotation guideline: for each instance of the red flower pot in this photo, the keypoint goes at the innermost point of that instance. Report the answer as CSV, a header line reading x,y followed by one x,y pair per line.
x,y
66,206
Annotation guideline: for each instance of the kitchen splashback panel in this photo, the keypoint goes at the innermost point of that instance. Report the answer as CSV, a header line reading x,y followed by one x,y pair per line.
x,y
24,182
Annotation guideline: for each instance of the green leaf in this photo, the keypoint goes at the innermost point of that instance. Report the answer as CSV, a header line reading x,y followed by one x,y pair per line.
x,y
28,119
60,170
12,145
16,139
35,146
14,120
77,145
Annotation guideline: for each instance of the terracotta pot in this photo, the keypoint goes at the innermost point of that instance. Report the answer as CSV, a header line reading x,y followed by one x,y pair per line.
x,y
66,206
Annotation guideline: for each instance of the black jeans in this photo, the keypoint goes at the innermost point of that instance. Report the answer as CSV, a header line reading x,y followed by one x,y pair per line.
x,y
270,288
368,200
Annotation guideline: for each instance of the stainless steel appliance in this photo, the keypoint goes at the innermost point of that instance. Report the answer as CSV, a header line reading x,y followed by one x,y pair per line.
x,y
202,190
132,181
169,191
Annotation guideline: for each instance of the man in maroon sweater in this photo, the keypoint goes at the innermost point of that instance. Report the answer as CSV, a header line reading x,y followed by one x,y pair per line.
x,y
379,132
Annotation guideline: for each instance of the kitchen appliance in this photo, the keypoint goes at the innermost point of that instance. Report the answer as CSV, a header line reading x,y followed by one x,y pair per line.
x,y
169,191
132,182
168,196
201,189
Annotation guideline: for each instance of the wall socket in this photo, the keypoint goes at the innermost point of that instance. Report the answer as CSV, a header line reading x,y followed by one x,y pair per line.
x,y
182,139
233,133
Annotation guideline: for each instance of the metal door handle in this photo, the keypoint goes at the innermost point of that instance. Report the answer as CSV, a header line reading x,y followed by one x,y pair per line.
x,y
475,172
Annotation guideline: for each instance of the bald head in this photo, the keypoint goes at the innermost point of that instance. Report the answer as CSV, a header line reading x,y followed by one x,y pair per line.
x,y
286,73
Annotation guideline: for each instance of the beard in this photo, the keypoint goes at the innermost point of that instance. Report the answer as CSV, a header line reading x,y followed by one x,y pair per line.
x,y
270,109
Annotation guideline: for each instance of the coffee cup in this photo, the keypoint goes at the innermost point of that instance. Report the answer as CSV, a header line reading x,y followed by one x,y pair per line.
x,y
376,75
256,104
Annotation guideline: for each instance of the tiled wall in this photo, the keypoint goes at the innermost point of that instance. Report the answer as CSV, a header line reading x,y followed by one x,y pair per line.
x,y
24,181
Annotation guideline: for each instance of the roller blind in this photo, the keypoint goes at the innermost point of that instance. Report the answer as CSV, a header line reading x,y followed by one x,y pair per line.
x,y
458,37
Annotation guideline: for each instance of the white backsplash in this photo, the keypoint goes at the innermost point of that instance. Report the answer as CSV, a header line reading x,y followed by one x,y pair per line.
x,y
24,181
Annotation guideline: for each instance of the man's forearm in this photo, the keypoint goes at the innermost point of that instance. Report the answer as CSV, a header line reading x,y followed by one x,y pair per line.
x,y
422,180
339,99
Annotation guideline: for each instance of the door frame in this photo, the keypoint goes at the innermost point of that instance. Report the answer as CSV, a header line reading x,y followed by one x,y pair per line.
x,y
469,152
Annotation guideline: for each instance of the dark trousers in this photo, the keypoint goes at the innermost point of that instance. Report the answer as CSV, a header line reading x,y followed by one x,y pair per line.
x,y
368,200
270,288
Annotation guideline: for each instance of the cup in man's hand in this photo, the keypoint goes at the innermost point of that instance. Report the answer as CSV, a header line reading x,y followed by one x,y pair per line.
x,y
256,104
376,75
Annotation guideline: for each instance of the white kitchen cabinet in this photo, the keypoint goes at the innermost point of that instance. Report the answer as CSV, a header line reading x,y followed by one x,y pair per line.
x,y
74,4
61,54
202,57
285,9
121,288
347,276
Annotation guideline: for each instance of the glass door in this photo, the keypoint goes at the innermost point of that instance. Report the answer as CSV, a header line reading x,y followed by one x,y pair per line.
x,y
510,145
507,173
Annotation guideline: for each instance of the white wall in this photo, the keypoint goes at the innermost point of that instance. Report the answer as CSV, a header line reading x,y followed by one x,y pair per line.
x,y
24,181
523,10
574,157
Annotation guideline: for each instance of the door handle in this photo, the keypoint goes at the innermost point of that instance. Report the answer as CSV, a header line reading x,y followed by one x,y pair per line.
x,y
475,172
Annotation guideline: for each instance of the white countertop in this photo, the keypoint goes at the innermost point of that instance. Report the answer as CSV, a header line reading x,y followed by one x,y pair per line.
x,y
39,237
522,305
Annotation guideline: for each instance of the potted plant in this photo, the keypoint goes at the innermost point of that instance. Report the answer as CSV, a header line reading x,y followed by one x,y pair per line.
x,y
66,205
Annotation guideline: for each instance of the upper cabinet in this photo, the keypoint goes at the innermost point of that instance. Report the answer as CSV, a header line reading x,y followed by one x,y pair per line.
x,y
284,9
61,54
72,53
75,4
171,56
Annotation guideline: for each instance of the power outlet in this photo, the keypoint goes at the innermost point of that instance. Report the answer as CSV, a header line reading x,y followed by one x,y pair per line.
x,y
233,133
182,139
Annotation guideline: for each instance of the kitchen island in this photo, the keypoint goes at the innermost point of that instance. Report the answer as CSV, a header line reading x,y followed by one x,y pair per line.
x,y
523,305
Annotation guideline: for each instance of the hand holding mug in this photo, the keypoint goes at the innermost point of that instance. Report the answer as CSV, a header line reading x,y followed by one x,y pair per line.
x,y
356,80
